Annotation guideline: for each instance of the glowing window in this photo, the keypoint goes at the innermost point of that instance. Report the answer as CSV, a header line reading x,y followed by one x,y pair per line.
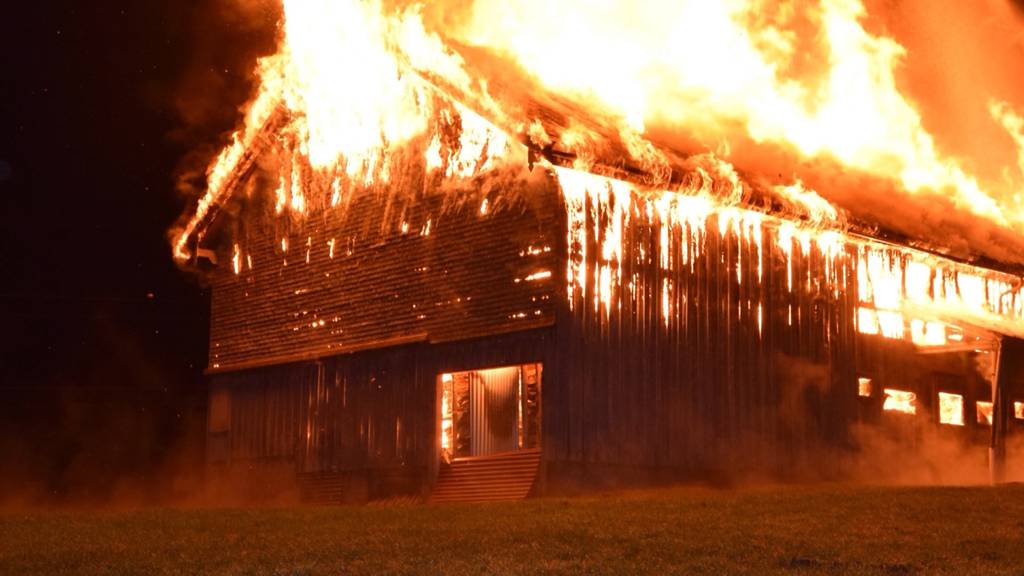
x,y
864,387
892,324
1018,410
985,413
951,409
900,401
867,322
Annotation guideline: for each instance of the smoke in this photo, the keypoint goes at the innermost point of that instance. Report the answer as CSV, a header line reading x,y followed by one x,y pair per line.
x,y
225,40
915,454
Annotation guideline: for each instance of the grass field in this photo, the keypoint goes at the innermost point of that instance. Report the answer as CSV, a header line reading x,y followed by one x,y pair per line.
x,y
806,530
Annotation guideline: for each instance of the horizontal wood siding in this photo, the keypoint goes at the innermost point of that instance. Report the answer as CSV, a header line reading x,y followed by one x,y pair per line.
x,y
406,266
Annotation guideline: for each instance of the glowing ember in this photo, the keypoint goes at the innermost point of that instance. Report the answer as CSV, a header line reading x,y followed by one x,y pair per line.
x,y
951,409
984,413
540,275
236,259
900,401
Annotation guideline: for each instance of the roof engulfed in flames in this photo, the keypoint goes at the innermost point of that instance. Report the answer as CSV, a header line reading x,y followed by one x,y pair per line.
x,y
801,109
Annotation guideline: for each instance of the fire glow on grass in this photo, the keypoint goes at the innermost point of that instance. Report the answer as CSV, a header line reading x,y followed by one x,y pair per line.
x,y
353,89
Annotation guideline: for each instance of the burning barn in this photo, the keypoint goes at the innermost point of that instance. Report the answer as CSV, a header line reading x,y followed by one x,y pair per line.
x,y
419,287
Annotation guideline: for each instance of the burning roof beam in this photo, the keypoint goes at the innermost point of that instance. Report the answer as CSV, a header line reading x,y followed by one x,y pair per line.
x,y
235,172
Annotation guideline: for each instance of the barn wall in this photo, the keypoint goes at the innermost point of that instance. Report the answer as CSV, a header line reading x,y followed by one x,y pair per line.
x,y
382,267
1010,413
719,348
367,412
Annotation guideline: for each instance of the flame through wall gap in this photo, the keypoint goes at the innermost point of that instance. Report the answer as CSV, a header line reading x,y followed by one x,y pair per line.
x,y
901,292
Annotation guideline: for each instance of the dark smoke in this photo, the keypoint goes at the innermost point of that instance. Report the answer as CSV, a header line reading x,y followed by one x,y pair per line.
x,y
227,38
102,400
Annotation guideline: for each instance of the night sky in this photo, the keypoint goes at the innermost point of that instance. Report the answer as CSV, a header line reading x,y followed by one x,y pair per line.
x,y
106,107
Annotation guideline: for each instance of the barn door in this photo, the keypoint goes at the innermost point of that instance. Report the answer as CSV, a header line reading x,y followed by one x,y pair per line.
x,y
490,411
493,401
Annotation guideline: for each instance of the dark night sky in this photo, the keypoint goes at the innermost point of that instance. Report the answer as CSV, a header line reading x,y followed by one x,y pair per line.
x,y
103,105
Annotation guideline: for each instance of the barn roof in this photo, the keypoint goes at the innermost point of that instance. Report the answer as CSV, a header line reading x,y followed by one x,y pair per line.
x,y
968,239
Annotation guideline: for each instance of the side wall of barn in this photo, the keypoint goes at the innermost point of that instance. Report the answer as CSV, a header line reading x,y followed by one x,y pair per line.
x,y
329,327
699,345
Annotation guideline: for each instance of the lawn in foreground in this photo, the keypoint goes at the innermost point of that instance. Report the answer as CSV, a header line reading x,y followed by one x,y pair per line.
x,y
809,530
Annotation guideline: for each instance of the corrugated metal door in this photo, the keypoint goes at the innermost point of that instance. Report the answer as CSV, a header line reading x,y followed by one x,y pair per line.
x,y
493,409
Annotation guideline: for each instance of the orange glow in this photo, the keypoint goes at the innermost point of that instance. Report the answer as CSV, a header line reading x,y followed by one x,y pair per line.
x,y
864,386
713,67
1018,410
357,88
446,412
900,401
539,275
951,409
984,413
867,321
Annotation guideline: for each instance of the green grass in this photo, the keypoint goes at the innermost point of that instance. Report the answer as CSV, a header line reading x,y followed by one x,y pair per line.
x,y
805,530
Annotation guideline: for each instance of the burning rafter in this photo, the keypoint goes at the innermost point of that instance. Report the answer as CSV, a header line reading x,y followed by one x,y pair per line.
x,y
234,165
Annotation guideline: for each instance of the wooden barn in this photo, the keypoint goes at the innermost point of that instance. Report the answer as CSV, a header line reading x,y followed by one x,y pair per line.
x,y
533,328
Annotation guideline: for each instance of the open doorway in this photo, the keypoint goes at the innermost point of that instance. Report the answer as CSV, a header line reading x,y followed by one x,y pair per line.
x,y
491,411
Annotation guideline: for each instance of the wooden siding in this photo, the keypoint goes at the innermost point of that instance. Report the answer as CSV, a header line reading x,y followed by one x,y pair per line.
x,y
404,268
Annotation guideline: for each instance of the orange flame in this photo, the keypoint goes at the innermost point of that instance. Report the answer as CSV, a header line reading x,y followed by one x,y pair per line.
x,y
708,67
984,413
359,80
951,409
900,401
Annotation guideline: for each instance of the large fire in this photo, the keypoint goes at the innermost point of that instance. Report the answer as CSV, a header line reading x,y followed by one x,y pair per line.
x,y
700,97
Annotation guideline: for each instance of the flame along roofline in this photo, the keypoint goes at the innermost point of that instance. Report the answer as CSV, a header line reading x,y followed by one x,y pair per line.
x,y
756,199
209,205
765,203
